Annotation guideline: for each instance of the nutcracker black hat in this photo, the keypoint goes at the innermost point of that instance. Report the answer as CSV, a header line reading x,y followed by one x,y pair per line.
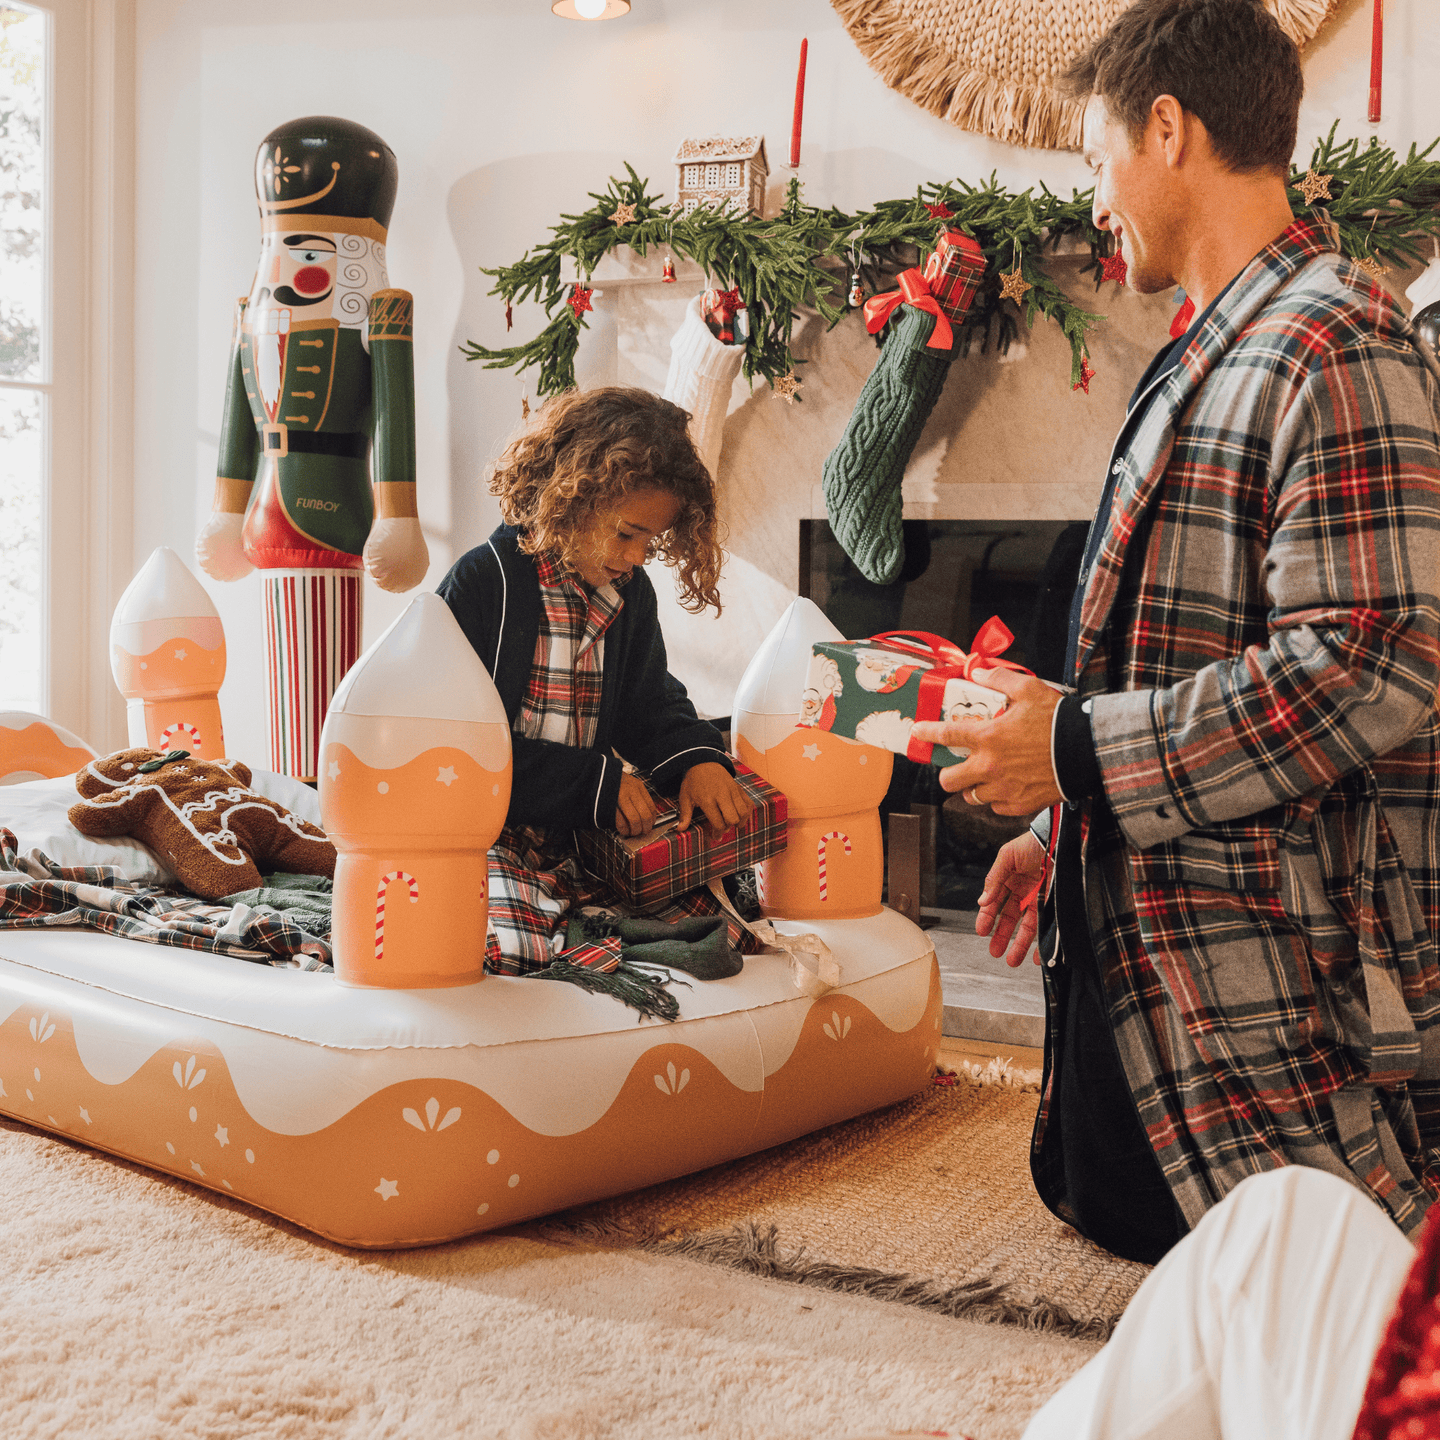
x,y
323,165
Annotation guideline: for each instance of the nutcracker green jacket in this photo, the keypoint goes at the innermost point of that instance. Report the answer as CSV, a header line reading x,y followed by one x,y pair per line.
x,y
645,714
1260,648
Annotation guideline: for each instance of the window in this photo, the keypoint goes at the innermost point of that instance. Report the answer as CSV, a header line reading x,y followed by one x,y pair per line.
x,y
692,176
732,177
25,53
712,177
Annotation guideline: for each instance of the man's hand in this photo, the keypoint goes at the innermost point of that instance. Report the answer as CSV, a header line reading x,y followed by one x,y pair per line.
x,y
1009,767
711,789
635,814
1016,871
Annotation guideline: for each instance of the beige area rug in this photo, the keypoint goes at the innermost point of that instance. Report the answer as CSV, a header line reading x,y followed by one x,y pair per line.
x,y
992,65
135,1307
929,1202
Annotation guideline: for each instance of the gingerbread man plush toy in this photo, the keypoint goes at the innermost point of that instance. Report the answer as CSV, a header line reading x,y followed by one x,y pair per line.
x,y
201,817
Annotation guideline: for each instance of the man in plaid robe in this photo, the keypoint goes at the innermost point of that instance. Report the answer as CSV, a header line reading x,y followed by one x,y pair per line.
x,y
1247,778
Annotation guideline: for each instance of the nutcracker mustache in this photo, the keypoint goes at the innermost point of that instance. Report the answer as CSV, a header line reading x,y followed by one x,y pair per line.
x,y
284,295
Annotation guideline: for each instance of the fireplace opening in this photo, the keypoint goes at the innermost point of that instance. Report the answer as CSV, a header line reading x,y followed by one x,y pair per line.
x,y
957,573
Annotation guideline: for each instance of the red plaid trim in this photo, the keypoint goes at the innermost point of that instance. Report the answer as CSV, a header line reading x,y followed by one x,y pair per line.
x,y
562,700
602,955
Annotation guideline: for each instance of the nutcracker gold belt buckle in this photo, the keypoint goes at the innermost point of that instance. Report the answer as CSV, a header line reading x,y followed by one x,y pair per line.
x,y
275,441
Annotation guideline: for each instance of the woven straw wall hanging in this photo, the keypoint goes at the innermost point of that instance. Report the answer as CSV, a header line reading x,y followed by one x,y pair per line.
x,y
990,65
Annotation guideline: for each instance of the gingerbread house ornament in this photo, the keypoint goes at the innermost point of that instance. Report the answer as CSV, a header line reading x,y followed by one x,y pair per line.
x,y
721,173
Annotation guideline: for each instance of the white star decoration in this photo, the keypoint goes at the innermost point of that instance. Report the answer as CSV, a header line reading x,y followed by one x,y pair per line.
x,y
334,771
811,752
179,654
195,1166
84,1114
222,1135
387,1189
447,776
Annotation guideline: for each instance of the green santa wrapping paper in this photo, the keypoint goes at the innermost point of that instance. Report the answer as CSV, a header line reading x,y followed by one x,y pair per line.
x,y
875,690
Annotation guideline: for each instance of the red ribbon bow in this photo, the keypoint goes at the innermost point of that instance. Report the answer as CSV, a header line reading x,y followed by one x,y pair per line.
x,y
913,291
950,662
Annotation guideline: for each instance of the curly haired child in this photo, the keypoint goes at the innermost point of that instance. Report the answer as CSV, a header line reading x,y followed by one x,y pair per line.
x,y
559,608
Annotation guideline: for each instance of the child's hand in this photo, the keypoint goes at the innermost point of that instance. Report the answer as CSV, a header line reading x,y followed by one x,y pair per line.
x,y
635,814
711,789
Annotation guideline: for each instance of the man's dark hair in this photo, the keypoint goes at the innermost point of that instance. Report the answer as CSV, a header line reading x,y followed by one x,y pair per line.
x,y
1226,61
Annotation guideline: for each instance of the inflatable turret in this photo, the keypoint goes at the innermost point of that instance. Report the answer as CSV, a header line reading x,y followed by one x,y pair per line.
x,y
414,789
167,653
833,865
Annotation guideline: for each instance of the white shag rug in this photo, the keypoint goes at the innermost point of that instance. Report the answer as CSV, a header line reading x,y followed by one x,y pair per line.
x,y
137,1307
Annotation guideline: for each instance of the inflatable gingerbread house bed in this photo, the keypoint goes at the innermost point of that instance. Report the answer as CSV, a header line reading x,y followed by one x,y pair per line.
x,y
403,1098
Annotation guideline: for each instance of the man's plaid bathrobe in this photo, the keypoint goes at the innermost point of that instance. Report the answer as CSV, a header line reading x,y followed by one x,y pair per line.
x,y
1260,639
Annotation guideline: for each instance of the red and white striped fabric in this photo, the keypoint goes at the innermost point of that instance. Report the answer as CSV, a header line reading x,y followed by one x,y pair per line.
x,y
312,637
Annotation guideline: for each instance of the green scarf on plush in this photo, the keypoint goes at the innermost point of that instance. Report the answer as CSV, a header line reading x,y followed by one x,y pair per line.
x,y
698,944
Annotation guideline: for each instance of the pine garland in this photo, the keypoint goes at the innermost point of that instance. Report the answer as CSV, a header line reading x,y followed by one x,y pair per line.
x,y
1384,209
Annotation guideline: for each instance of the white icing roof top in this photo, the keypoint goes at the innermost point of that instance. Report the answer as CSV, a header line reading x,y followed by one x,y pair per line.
x,y
773,680
163,589
421,668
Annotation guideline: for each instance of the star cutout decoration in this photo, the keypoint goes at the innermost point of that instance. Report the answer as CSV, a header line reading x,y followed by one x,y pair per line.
x,y
1113,267
1316,187
940,211
222,1135
579,300
447,776
1086,375
1372,267
387,1189
624,215
84,1114
786,387
179,654
333,771
811,752
1014,285
195,1166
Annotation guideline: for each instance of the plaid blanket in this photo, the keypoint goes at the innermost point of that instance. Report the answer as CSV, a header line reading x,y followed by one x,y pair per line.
x,y
36,893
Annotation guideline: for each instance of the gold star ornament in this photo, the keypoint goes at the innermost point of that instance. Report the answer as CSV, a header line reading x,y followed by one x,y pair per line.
x,y
1316,187
1014,285
786,387
624,215
1372,267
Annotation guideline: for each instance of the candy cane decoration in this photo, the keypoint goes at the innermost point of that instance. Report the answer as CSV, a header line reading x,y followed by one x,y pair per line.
x,y
179,725
825,839
380,891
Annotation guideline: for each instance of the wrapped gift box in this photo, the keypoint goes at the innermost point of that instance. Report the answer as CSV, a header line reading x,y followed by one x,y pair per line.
x,y
875,690
650,869
953,271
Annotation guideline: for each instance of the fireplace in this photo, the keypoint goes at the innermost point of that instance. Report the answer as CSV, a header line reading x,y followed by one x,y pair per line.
x,y
957,574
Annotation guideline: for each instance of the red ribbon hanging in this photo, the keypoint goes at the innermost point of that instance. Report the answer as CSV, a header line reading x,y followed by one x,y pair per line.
x,y
913,291
950,662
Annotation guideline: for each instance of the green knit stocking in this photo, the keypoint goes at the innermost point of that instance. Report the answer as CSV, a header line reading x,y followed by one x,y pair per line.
x,y
861,478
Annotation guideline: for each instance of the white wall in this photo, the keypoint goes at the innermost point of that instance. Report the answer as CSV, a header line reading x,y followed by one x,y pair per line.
x,y
502,116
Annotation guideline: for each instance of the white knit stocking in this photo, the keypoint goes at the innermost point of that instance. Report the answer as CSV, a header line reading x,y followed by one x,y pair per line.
x,y
702,370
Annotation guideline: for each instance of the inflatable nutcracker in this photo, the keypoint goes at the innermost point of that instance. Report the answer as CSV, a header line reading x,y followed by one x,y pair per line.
x,y
833,864
414,788
320,401
167,653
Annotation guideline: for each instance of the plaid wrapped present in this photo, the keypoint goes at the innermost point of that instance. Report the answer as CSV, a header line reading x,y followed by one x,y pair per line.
x,y
953,272
651,869
875,690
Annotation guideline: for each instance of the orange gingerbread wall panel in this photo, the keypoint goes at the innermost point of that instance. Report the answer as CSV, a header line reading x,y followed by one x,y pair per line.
x,y
444,1112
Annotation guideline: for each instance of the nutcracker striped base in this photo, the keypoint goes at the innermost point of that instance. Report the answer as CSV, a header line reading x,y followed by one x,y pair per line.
x,y
312,637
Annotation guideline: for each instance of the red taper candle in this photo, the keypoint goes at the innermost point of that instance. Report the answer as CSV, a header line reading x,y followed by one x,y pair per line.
x,y
1377,49
800,106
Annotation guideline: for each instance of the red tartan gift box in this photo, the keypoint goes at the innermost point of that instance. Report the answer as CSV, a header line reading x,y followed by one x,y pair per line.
x,y
653,868
953,272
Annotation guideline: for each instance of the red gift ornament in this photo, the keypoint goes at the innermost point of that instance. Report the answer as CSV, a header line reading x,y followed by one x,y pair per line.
x,y
950,662
579,300
913,291
953,272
